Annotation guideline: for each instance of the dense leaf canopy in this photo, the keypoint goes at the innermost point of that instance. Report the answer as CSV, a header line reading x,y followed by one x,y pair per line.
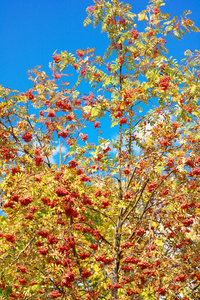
x,y
116,219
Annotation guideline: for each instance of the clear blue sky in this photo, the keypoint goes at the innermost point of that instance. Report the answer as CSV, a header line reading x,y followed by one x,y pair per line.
x,y
31,30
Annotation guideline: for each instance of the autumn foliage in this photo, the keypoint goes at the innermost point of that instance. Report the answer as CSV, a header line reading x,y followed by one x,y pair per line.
x,y
113,219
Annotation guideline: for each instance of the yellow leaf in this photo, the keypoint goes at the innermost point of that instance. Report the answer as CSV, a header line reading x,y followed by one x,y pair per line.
x,y
142,17
154,224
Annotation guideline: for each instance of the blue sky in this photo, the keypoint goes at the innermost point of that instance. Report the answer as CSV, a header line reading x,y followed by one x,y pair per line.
x,y
31,30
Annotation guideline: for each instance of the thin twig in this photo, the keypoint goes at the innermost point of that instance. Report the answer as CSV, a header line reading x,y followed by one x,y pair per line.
x,y
23,249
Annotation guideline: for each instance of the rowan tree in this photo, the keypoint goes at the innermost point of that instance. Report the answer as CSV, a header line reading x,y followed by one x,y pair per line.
x,y
116,219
